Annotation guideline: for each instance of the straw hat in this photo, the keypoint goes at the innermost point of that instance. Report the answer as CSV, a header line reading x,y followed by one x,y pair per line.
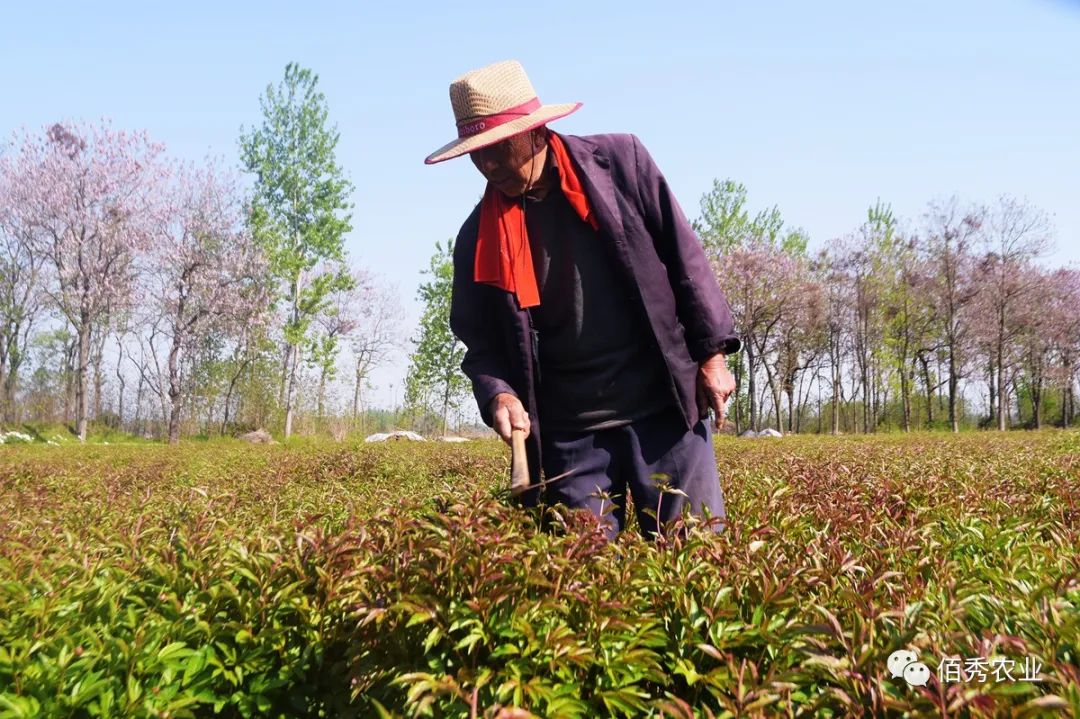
x,y
493,103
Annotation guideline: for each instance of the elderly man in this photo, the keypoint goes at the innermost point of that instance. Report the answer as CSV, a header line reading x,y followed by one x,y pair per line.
x,y
588,310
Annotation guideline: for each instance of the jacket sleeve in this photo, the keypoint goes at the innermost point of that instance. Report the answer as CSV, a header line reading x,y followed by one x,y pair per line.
x,y
701,305
474,322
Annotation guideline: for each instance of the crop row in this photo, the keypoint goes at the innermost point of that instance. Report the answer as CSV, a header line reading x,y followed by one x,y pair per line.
x,y
328,580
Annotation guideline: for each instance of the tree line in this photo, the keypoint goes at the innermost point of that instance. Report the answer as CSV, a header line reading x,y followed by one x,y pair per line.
x,y
946,321
205,306
161,297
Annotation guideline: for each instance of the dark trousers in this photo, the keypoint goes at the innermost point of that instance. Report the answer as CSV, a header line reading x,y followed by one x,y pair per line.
x,y
595,470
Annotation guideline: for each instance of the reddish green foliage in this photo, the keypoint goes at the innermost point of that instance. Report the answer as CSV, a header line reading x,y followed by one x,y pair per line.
x,y
321,580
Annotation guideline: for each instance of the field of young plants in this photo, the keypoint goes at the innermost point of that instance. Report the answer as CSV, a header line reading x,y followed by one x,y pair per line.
x,y
336,580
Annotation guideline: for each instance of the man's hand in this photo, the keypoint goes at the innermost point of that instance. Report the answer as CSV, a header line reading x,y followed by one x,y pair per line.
x,y
714,385
508,414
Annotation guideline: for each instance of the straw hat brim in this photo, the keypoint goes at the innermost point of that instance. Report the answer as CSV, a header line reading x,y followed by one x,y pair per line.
x,y
465,145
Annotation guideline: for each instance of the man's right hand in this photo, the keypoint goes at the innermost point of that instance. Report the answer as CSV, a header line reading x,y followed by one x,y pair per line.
x,y
508,414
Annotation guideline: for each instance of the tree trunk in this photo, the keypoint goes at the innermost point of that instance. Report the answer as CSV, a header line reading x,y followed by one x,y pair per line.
x,y
761,404
284,373
290,393
174,390
81,389
803,399
8,378
954,384
174,418
905,396
229,395
1003,398
292,359
779,403
1001,375
357,405
752,384
322,392
738,389
881,396
138,405
1072,400
3,373
1066,394
835,361
13,356
882,412
99,372
819,418
791,408
119,384
775,391
929,391
1036,394
242,398
1014,385
446,407
1065,407
68,371
864,389
210,402
871,423
855,407
164,407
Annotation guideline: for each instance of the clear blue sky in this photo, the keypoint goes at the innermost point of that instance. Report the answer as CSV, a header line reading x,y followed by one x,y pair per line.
x,y
819,108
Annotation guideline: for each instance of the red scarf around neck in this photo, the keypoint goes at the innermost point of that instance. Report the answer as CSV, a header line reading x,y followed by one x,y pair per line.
x,y
503,253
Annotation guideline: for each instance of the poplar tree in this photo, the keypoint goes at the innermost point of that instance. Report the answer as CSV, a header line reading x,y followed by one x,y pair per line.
x,y
300,211
435,381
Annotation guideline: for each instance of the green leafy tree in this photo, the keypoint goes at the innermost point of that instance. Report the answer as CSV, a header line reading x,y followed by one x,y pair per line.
x,y
725,223
250,396
435,382
299,211
737,241
338,319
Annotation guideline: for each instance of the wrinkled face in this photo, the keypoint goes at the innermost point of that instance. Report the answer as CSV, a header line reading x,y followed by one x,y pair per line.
x,y
513,165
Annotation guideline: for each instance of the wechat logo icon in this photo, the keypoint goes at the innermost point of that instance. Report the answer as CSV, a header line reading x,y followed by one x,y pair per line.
x,y
905,663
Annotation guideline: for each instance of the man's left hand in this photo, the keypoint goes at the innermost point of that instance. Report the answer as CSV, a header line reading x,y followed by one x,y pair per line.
x,y
714,385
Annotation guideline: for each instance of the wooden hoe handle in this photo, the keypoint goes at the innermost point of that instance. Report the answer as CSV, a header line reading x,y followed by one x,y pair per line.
x,y
519,463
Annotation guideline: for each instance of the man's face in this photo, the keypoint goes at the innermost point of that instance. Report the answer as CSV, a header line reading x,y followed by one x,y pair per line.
x,y
512,165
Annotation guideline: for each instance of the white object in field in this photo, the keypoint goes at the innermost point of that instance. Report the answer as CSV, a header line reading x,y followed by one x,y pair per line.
x,y
259,436
770,432
749,434
396,436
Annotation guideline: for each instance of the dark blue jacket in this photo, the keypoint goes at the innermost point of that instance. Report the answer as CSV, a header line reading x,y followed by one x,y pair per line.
x,y
655,249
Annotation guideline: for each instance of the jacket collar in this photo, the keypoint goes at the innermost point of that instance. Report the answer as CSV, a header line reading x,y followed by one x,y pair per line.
x,y
594,166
